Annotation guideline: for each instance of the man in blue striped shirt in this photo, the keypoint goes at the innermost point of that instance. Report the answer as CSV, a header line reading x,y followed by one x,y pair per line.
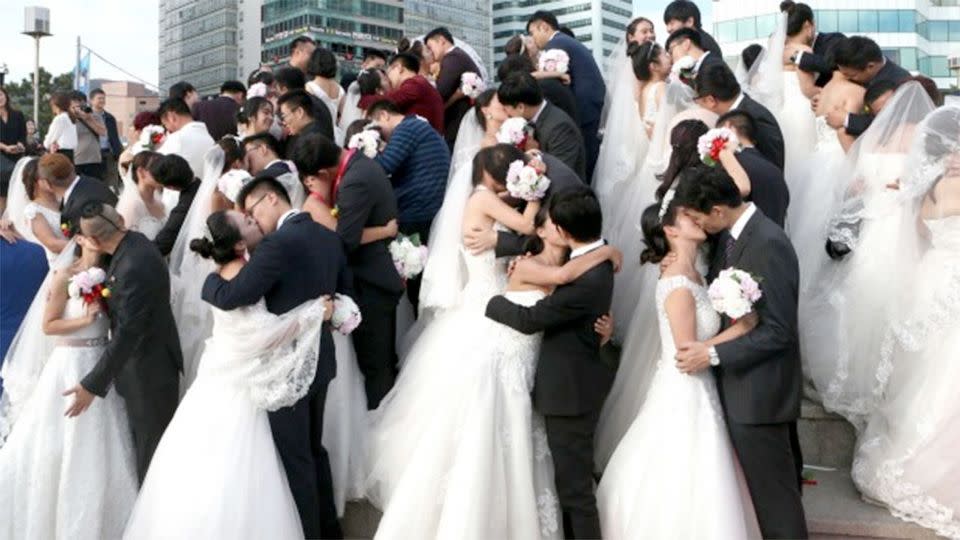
x,y
418,161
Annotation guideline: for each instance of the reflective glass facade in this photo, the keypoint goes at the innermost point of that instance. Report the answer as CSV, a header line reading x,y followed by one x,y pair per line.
x,y
198,43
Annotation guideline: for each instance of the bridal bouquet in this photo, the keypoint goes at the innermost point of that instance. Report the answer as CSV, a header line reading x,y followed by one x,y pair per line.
x,y
257,90
514,131
526,182
231,182
89,285
409,256
346,314
734,293
712,143
367,141
472,85
152,137
682,70
554,61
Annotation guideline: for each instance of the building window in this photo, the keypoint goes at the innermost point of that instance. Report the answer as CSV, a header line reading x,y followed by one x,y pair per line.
x,y
747,28
766,25
888,21
847,21
908,58
826,21
908,21
868,21
938,31
726,31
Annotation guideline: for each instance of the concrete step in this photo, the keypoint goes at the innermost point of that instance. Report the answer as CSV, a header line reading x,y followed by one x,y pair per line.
x,y
826,438
835,509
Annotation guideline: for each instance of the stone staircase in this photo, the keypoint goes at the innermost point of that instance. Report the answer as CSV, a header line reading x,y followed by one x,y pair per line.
x,y
835,510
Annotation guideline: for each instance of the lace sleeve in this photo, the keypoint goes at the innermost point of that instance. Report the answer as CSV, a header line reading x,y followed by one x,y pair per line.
x,y
30,212
667,285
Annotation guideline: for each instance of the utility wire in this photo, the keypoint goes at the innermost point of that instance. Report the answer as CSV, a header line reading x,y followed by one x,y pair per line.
x,y
127,73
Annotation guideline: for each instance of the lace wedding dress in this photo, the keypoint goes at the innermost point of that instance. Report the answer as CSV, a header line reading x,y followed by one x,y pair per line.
x,y
677,449
906,457
68,478
456,449
136,215
216,472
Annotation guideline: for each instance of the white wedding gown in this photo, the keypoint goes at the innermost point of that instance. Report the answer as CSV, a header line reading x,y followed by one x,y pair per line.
x,y
345,430
68,478
677,450
799,126
52,217
216,472
456,449
907,456
136,216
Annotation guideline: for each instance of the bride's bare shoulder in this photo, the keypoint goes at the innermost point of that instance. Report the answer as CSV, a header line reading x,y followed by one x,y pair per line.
x,y
231,269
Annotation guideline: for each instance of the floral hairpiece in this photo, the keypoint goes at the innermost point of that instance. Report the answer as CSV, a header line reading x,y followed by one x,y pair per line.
x,y
665,203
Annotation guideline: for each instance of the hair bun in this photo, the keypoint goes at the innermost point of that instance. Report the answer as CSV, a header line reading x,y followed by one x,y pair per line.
x,y
202,247
786,5
633,48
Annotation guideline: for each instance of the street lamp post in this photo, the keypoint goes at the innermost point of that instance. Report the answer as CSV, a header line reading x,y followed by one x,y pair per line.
x,y
36,25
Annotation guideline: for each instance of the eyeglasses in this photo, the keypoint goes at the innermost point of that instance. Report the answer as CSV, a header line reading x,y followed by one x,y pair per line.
x,y
249,211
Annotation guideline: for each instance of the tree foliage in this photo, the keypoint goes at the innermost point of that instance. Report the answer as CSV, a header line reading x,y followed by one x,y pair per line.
x,y
21,94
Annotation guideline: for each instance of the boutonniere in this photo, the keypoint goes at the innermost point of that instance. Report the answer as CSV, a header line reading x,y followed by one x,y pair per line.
x,y
683,70
67,229
335,212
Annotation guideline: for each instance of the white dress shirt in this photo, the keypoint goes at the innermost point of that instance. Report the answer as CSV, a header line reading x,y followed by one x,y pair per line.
x,y
63,132
190,142
583,250
66,194
737,102
286,215
742,221
536,115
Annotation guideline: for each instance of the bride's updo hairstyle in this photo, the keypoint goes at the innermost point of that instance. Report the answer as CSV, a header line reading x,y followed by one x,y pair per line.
x,y
483,100
655,238
496,160
641,56
797,15
142,160
224,235
684,154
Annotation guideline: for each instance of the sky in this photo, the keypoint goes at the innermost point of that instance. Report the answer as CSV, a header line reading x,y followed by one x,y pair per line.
x,y
125,32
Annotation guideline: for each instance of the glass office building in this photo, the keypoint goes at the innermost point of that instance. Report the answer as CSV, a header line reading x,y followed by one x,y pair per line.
x,y
468,20
198,43
598,24
920,35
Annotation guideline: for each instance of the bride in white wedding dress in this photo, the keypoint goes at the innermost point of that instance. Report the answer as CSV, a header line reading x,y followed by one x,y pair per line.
x,y
906,457
216,472
141,204
68,478
677,448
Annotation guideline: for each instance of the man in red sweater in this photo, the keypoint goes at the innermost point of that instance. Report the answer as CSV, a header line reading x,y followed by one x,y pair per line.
x,y
412,93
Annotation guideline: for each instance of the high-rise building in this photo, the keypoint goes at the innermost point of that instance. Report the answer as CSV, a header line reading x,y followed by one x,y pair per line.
x,y
920,35
346,27
468,20
248,36
198,43
598,24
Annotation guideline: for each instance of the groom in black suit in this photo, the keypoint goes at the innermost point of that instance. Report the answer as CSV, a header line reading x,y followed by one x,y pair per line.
x,y
800,23
758,375
571,381
74,191
297,260
861,60
364,197
143,359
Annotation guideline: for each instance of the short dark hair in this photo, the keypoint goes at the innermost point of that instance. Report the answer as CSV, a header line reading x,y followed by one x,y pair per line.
x,y
515,63
383,105
408,61
797,15
97,92
878,88
856,52
520,88
440,31
290,78
717,80
77,95
265,139
171,170
710,187
143,160
577,211
684,33
374,53
180,90
261,184
685,154
298,41
370,81
174,105
481,101
742,122
258,76
681,10
323,63
641,56
750,53
496,161
233,87
298,99
544,16
314,152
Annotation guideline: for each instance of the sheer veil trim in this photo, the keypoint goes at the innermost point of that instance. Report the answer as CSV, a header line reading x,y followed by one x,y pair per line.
x,y
764,81
29,350
17,202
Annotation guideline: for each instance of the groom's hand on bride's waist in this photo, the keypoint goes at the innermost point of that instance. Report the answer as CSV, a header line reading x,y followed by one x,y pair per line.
x,y
478,240
693,357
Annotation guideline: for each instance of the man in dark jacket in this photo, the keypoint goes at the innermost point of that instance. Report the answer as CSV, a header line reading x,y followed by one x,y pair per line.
x,y
110,146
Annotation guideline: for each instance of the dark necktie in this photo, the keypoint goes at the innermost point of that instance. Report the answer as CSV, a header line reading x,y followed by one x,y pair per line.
x,y
728,243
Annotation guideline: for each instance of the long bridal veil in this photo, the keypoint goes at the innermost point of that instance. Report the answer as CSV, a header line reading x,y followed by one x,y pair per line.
x,y
17,201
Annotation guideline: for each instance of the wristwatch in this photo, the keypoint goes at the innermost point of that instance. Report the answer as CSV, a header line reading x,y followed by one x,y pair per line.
x,y
714,357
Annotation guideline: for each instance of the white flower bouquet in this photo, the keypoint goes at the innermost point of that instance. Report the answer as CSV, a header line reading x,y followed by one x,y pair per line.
x,y
554,61
409,255
526,182
734,293
367,141
472,85
346,314
514,131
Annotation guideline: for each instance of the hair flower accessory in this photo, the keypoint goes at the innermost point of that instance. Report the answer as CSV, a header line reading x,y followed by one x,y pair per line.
x,y
514,131
232,182
554,61
367,141
526,182
665,203
713,142
472,85
257,90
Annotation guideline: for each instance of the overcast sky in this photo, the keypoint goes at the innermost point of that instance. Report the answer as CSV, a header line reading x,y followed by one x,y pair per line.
x,y
123,31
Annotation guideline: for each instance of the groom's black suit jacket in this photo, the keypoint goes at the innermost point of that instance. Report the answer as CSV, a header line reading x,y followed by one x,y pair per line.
x,y
857,123
560,136
300,261
759,376
769,137
143,354
86,191
571,379
819,61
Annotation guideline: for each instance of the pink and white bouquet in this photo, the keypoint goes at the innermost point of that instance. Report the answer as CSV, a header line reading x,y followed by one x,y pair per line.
x,y
257,90
734,293
514,131
409,255
554,61
472,85
526,182
89,285
713,142
367,141
346,314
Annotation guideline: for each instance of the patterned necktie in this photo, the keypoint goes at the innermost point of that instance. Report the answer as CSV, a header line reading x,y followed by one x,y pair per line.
x,y
728,243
